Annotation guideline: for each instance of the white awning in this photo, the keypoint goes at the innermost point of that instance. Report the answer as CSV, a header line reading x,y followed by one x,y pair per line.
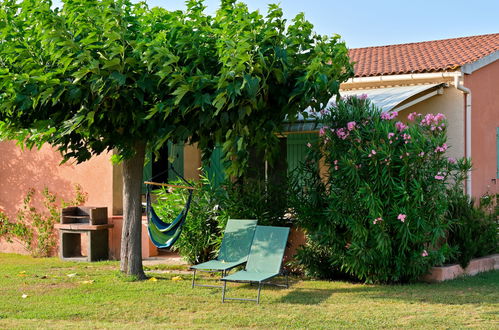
x,y
387,99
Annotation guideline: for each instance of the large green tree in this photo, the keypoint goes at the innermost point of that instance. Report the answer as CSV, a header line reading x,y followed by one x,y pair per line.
x,y
96,76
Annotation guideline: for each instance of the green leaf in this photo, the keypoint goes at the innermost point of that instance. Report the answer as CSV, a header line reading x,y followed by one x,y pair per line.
x,y
115,63
219,102
118,77
252,85
180,93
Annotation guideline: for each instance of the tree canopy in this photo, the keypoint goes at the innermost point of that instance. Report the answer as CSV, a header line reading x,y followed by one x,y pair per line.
x,y
97,76
100,75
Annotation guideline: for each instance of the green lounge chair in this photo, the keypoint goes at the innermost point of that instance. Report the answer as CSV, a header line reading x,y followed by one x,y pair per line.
x,y
233,252
264,260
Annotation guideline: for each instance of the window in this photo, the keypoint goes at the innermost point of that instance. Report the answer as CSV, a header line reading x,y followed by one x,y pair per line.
x,y
158,169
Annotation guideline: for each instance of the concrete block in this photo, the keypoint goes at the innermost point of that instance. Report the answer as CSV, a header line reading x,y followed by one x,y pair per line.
x,y
476,266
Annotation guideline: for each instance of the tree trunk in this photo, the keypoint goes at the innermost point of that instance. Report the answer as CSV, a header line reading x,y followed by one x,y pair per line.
x,y
131,235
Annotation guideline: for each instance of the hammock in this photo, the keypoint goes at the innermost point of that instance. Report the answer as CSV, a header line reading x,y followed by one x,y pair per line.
x,y
161,233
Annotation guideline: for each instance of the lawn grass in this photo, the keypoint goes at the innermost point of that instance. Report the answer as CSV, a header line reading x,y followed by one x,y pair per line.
x,y
97,296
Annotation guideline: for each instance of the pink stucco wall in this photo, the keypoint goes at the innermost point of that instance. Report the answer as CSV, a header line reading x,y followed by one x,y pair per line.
x,y
484,86
22,170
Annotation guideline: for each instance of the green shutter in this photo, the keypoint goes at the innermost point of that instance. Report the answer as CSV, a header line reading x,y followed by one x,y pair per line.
x,y
214,168
497,151
147,172
297,148
176,156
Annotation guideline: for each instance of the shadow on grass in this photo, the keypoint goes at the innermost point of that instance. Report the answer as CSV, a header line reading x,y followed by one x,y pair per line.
x,y
307,296
480,289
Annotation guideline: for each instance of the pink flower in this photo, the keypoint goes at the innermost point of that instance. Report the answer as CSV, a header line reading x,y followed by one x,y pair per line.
x,y
322,131
377,220
342,134
439,177
400,126
438,117
441,148
351,125
424,254
412,116
335,162
432,120
362,96
389,115
427,120
309,145
373,152
421,154
452,160
401,217
336,168
390,135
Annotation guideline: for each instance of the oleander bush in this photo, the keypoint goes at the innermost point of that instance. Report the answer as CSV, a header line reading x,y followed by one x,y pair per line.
x,y
379,212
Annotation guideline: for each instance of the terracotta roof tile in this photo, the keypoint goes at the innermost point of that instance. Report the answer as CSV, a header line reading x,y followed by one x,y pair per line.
x,y
428,56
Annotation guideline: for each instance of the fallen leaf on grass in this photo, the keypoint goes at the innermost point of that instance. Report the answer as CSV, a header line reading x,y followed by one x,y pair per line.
x,y
87,282
153,279
24,296
71,275
176,278
22,275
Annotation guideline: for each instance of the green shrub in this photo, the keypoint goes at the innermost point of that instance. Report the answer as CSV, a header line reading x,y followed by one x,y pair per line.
x,y
35,228
255,199
474,229
202,231
379,212
211,207
11,231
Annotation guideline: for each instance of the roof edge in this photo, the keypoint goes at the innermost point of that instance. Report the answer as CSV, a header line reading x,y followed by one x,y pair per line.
x,y
469,68
402,77
425,41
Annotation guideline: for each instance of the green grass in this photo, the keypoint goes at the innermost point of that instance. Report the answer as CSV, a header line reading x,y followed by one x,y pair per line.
x,y
112,301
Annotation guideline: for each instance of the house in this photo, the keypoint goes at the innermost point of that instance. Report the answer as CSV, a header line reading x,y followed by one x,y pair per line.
x,y
457,77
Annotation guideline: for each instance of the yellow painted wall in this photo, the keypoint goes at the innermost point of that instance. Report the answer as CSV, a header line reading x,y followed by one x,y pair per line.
x,y
451,104
192,161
